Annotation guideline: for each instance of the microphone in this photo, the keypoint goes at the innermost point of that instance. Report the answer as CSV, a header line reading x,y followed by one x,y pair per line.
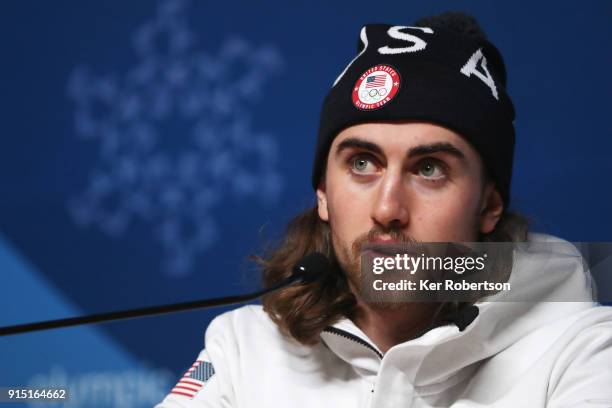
x,y
311,267
308,269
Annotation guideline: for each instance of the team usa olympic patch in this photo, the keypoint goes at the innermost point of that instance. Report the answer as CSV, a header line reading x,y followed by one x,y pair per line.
x,y
376,87
194,379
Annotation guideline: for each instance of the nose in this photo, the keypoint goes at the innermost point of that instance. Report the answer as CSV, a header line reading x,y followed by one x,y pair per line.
x,y
390,208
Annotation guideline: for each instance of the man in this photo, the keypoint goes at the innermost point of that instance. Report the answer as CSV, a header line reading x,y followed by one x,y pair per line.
x,y
415,144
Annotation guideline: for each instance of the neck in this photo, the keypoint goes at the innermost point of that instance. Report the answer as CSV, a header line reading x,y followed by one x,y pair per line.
x,y
390,324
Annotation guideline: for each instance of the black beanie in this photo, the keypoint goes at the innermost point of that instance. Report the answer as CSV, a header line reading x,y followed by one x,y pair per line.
x,y
432,74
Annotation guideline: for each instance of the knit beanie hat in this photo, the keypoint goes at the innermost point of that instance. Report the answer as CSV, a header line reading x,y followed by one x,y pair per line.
x,y
445,72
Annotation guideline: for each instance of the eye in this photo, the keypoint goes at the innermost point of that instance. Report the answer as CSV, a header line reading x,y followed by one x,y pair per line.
x,y
432,170
362,164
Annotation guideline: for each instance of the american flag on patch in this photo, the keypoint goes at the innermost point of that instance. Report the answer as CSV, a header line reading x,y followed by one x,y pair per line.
x,y
194,379
375,81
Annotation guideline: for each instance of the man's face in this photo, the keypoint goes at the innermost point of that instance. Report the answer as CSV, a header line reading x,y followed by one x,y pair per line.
x,y
394,182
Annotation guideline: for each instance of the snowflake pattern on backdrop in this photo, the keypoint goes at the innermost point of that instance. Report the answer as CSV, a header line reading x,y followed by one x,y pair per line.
x,y
174,136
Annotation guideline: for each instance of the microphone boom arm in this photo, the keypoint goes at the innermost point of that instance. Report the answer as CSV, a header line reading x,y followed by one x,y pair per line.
x,y
142,312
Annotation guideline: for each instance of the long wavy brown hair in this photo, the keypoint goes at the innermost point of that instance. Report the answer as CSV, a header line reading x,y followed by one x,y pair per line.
x,y
303,311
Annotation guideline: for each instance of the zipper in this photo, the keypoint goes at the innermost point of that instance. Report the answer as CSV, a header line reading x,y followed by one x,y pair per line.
x,y
356,339
442,322
359,340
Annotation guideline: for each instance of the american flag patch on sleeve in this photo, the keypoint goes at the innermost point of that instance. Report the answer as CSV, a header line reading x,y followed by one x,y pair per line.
x,y
194,379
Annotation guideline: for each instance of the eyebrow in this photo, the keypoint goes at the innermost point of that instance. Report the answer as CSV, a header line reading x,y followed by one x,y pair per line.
x,y
355,143
440,147
421,150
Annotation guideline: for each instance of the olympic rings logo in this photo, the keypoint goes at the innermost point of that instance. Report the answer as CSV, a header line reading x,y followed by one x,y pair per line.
x,y
373,93
375,87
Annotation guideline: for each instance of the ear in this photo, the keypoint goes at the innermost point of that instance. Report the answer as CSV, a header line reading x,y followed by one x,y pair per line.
x,y
491,209
322,202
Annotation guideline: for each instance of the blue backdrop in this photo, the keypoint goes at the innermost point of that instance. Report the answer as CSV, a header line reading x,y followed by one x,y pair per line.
x,y
148,148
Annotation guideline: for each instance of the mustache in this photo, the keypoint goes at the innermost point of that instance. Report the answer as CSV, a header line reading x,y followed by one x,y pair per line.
x,y
376,233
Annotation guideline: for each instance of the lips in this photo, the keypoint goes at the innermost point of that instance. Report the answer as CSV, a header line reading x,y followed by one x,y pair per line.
x,y
384,241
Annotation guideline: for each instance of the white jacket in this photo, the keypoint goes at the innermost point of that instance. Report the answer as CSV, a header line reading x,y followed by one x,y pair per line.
x,y
514,354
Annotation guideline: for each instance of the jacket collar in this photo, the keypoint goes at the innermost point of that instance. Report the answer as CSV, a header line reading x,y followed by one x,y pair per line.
x,y
352,345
